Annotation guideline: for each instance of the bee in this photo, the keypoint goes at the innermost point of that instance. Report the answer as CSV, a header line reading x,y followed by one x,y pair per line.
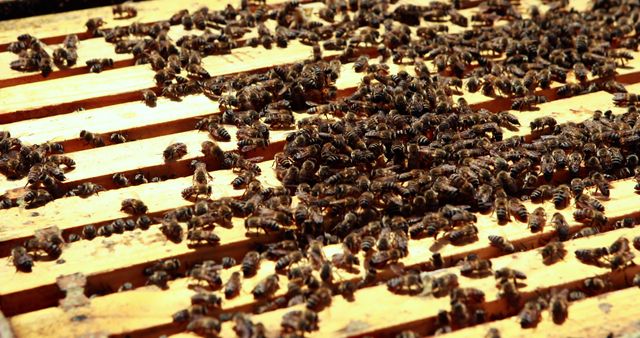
x,y
319,299
149,97
299,321
543,122
133,206
410,283
561,226
467,295
266,287
91,138
541,194
444,284
561,196
501,208
86,189
120,180
601,183
22,260
502,244
250,263
636,242
591,256
213,151
205,326
97,65
625,99
199,235
36,198
207,299
346,260
518,210
553,252
200,182
159,278
233,285
473,266
506,274
586,202
172,230
174,152
89,232
288,259
594,285
124,11
538,220
620,260
530,315
117,138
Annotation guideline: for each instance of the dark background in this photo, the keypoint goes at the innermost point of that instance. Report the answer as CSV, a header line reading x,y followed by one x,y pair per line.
x,y
13,9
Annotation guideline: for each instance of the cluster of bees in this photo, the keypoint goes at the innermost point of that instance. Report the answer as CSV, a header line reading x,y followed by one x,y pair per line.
x,y
46,245
398,158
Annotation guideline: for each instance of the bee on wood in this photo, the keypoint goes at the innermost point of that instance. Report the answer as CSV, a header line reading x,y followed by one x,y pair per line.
x,y
444,284
250,263
502,244
233,285
465,234
299,321
319,299
245,328
620,260
561,226
208,299
288,259
409,283
97,65
594,285
537,220
591,256
506,274
117,138
266,287
196,236
22,260
205,326
149,97
601,183
174,152
89,232
530,315
91,138
124,12
561,196
518,210
467,295
347,260
86,189
543,122
474,266
200,182
36,198
120,180
172,230
159,278
553,252
625,99
212,151
133,206
93,24
587,202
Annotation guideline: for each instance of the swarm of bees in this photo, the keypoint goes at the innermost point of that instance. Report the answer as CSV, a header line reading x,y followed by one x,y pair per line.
x,y
397,158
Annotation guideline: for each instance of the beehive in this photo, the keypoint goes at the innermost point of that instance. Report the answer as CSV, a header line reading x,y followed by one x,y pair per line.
x,y
38,109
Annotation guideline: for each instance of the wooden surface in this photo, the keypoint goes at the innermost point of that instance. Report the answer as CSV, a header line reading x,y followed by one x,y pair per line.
x,y
34,109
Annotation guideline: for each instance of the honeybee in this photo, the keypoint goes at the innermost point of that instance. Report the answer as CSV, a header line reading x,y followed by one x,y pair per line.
x,y
474,266
502,244
204,326
233,285
250,263
91,138
200,182
174,151
319,299
133,206
22,260
537,220
552,252
86,189
149,97
266,287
